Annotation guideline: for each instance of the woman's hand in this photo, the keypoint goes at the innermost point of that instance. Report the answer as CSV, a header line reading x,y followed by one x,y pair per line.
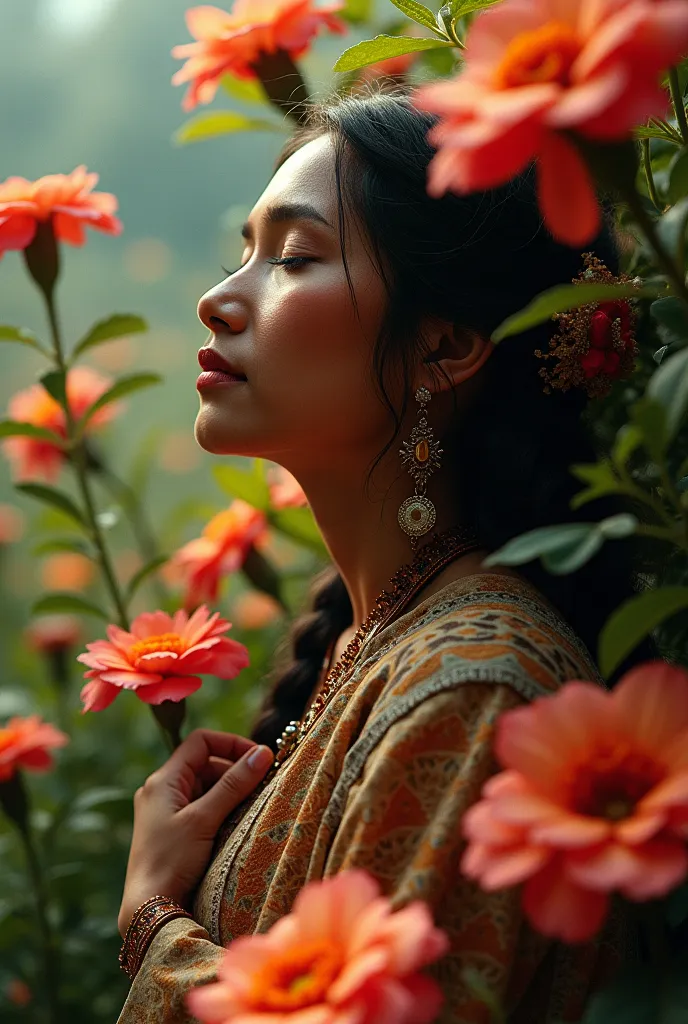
x,y
178,811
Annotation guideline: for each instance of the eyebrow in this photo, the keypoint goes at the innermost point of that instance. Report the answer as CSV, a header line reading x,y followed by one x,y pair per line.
x,y
282,212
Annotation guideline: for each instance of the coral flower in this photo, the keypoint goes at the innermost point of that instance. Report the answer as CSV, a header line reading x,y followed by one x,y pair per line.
x,y
595,799
53,633
68,198
220,550
537,69
25,742
255,610
285,489
340,957
232,43
160,658
11,524
34,458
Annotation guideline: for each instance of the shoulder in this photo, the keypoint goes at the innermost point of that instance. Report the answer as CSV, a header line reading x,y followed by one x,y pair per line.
x,y
494,630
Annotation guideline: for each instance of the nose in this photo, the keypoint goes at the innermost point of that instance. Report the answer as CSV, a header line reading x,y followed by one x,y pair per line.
x,y
221,314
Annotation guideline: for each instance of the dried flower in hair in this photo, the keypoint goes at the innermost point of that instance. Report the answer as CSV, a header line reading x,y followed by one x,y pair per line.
x,y
595,345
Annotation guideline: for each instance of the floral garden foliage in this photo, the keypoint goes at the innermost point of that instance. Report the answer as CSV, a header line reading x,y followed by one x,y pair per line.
x,y
593,799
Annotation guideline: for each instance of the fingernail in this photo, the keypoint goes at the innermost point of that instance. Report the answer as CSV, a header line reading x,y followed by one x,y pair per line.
x,y
260,758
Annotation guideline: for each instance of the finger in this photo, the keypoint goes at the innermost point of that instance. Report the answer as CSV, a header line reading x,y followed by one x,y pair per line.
x,y
214,770
202,744
232,787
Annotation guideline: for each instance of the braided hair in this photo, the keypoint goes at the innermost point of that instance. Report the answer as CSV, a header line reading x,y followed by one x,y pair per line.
x,y
471,260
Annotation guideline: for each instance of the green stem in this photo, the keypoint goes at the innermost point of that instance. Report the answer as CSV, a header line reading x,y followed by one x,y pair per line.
x,y
78,453
649,177
677,100
649,230
145,539
49,947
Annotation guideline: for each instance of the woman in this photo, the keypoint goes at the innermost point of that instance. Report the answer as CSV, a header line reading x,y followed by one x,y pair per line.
x,y
356,291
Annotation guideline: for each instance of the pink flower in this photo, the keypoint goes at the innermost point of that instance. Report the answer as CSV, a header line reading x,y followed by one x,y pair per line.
x,y
340,957
67,198
35,459
232,43
595,800
536,70
221,550
285,489
25,742
160,658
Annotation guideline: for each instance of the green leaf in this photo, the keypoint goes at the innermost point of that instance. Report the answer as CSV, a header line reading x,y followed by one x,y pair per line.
x,y
634,620
417,12
98,795
628,439
54,383
356,11
75,544
249,486
678,177
460,8
649,417
677,906
298,524
223,122
370,51
248,90
22,336
12,428
564,297
119,325
669,387
671,228
124,386
59,602
563,548
642,995
657,129
601,480
51,496
142,574
672,320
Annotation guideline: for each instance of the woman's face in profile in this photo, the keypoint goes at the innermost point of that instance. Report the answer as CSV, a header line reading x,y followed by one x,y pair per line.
x,y
308,400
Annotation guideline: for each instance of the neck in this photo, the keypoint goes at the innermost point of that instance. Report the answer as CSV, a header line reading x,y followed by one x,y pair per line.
x,y
361,530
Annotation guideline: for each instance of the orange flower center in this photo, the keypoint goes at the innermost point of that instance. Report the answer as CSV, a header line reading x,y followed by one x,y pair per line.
x,y
166,642
7,738
612,780
543,55
299,977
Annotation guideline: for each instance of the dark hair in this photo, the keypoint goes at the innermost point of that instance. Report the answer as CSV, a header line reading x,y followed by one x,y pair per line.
x,y
471,260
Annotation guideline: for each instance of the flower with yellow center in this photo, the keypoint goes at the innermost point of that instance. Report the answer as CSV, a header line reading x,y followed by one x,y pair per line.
x,y
594,800
160,658
340,956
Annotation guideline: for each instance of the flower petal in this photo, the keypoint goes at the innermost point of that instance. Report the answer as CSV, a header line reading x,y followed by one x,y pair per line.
x,y
566,193
97,695
559,908
171,688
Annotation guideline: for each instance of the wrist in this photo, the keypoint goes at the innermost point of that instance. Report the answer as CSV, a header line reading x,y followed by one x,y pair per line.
x,y
145,923
135,894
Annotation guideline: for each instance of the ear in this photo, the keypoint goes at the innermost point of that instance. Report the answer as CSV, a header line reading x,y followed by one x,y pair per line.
x,y
456,353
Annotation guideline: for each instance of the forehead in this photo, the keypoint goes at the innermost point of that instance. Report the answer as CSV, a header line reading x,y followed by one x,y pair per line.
x,y
307,176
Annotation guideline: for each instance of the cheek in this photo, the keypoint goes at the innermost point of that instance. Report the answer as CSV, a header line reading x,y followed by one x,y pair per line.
x,y
311,337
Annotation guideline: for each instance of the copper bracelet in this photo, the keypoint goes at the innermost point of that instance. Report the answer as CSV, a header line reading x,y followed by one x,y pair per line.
x,y
146,922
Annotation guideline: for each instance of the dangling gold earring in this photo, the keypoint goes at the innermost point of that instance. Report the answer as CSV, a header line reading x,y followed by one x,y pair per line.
x,y
417,515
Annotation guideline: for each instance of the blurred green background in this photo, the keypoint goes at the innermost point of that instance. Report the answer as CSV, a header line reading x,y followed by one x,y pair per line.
x,y
88,81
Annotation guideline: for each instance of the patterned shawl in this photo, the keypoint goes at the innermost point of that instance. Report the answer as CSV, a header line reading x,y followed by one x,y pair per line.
x,y
381,782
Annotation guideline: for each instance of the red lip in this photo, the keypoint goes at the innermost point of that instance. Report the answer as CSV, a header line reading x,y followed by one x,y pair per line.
x,y
210,360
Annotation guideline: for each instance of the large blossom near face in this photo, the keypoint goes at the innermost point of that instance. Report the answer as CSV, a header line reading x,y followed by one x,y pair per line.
x,y
25,743
340,957
68,198
35,459
219,551
160,658
232,43
538,69
594,800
